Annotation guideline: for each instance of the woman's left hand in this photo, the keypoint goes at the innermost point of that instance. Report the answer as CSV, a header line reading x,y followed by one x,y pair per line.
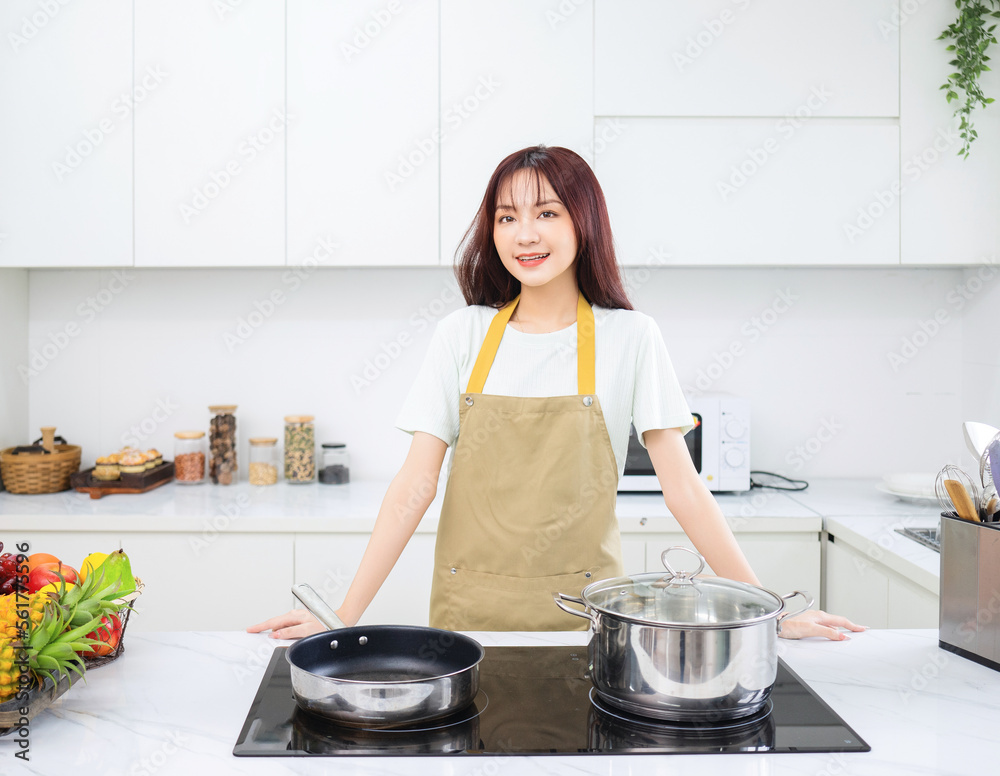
x,y
814,622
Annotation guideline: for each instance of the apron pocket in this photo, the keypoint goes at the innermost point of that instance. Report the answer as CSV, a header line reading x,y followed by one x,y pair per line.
x,y
478,600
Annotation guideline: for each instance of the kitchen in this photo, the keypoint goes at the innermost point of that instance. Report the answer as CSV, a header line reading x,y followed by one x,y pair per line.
x,y
855,320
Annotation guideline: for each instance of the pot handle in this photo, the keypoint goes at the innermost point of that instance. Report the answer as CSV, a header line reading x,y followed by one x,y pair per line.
x,y
586,614
809,602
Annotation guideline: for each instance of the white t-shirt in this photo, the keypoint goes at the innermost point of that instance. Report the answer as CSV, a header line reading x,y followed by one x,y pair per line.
x,y
635,379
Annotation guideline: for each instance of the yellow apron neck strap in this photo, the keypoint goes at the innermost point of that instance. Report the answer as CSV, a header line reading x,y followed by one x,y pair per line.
x,y
586,361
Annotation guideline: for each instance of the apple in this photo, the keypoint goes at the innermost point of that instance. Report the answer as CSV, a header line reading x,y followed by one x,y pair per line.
x,y
109,633
49,574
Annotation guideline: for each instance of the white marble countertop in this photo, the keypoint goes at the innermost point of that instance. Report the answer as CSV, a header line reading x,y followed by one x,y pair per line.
x,y
175,704
312,507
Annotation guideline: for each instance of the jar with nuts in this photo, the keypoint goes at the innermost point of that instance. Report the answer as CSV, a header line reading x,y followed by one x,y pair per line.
x,y
263,461
222,444
300,448
189,457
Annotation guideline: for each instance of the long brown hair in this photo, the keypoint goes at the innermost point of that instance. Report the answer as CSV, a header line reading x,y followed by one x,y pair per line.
x,y
482,276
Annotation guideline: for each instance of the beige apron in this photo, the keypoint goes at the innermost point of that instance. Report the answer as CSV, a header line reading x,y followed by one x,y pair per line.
x,y
530,504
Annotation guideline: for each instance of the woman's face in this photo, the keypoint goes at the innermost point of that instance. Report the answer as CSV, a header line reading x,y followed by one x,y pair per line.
x,y
532,230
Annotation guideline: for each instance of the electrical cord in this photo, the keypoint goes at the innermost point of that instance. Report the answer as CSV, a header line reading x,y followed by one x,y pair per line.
x,y
799,484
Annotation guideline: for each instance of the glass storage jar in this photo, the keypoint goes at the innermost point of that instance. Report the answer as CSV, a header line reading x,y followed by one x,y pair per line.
x,y
300,448
189,457
222,444
263,461
336,464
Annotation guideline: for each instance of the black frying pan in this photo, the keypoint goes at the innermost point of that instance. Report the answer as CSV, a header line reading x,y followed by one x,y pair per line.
x,y
381,675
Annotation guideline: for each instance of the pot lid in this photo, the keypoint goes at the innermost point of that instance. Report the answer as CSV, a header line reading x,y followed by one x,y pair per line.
x,y
680,599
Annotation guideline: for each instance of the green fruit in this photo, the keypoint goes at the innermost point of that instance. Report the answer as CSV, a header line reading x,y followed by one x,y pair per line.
x,y
117,571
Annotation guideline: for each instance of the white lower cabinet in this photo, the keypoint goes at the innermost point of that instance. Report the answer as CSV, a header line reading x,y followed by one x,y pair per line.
x,y
872,594
783,562
193,581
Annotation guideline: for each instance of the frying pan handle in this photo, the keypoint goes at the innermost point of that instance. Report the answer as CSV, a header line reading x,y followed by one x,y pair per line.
x,y
319,608
586,614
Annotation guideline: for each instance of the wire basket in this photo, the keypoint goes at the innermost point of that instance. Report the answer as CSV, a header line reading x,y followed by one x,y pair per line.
x,y
125,608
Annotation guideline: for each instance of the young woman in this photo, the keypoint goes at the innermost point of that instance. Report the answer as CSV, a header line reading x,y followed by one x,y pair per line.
x,y
535,384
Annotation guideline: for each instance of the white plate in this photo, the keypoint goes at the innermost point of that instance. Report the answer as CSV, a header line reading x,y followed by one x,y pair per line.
x,y
910,498
918,484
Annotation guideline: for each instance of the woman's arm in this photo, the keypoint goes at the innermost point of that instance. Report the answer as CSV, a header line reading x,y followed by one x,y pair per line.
x,y
696,510
412,490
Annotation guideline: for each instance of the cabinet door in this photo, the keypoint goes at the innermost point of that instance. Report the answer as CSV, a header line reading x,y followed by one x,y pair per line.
x,y
737,58
66,136
210,143
513,75
329,563
911,606
948,203
856,587
783,562
753,191
363,151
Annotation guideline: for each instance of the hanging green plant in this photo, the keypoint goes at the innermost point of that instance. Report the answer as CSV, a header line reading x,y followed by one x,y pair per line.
x,y
972,39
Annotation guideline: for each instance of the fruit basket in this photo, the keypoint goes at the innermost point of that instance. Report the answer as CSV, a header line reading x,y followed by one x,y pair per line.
x,y
18,711
116,630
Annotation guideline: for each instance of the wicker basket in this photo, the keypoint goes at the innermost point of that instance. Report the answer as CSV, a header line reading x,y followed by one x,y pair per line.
x,y
44,469
124,611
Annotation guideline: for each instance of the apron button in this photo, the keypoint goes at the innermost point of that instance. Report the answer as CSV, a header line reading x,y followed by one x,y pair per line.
x,y
587,574
454,571
468,400
588,400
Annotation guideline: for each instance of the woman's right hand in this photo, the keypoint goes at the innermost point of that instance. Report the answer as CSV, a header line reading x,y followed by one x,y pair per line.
x,y
290,625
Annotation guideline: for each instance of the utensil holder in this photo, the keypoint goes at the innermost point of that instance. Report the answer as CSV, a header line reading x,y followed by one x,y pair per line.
x,y
970,590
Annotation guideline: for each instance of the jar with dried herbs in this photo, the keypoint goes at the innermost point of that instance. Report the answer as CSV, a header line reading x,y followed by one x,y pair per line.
x,y
300,448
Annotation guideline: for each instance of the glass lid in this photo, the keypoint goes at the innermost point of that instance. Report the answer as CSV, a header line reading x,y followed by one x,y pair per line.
x,y
679,599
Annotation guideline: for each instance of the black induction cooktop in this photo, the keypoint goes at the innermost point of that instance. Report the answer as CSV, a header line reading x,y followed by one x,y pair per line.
x,y
539,701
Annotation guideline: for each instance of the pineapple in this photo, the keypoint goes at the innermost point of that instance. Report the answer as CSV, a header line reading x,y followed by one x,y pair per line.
x,y
55,636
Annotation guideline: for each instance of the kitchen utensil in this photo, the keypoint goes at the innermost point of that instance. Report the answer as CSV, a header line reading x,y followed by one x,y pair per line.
x,y
978,436
989,465
964,506
678,648
991,510
957,474
381,675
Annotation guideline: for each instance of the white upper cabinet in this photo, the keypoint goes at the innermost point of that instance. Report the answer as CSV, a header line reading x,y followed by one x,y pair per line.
x,y
753,191
949,204
513,74
362,149
744,58
66,133
210,138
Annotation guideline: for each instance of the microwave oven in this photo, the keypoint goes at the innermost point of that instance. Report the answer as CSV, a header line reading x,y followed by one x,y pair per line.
x,y
719,445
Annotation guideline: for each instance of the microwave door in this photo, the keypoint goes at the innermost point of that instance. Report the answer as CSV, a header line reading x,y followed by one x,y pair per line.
x,y
640,477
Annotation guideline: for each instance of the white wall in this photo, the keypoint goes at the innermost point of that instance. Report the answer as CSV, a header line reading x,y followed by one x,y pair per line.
x,y
13,347
981,346
161,340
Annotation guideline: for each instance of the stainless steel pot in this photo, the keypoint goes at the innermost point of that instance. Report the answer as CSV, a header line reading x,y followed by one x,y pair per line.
x,y
381,675
676,647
